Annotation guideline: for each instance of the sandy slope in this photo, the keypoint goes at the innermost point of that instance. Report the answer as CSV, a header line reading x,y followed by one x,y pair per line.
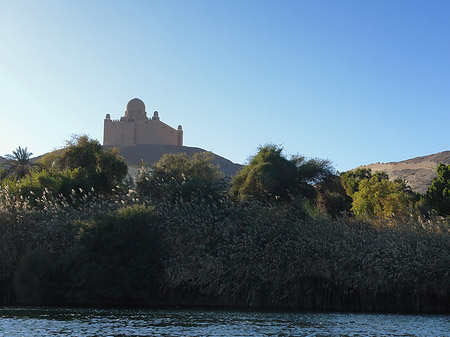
x,y
418,172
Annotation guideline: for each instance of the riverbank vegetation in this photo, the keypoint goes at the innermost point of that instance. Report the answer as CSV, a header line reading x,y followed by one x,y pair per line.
x,y
284,233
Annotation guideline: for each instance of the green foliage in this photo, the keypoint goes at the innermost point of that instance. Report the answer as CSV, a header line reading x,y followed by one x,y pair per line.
x,y
351,179
438,193
102,169
423,206
51,161
81,166
117,250
115,259
55,182
179,176
374,195
18,165
332,198
270,174
380,197
82,152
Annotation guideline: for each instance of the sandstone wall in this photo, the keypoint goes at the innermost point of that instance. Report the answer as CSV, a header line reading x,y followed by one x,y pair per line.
x,y
140,132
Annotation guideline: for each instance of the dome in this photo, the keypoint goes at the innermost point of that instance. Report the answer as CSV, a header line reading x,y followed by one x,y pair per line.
x,y
135,108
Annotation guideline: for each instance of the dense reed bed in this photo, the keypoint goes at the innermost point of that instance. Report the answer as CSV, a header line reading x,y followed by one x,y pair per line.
x,y
121,250
256,255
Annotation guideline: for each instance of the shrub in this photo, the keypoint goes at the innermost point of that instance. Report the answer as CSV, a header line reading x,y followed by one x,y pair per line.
x,y
115,259
179,176
270,175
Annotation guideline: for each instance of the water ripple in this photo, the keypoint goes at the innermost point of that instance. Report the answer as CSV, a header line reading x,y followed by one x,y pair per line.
x,y
18,322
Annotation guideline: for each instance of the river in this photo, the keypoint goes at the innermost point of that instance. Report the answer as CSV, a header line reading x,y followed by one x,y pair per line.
x,y
187,322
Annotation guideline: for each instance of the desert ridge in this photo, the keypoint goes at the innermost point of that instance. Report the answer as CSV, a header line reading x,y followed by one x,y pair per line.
x,y
418,172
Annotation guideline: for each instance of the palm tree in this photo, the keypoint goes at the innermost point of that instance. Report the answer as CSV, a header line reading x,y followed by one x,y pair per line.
x,y
18,164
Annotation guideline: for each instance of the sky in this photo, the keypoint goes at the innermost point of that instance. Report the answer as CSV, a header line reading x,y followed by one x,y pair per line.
x,y
355,82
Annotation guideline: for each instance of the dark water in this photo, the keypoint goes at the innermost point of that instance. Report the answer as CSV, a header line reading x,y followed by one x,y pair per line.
x,y
106,322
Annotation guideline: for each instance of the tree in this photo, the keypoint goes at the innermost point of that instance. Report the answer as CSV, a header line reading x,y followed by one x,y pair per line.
x,y
439,192
18,163
270,174
332,198
179,176
379,197
115,259
375,195
102,169
351,179
82,165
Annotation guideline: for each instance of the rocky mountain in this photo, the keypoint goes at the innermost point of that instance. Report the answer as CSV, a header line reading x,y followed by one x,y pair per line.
x,y
418,172
149,153
2,160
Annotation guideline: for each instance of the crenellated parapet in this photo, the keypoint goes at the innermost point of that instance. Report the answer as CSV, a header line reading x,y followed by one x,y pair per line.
x,y
109,120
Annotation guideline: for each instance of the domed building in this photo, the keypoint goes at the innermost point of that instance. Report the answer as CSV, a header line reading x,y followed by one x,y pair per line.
x,y
136,128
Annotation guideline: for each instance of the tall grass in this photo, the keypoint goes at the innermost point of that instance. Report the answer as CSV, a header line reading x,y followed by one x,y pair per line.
x,y
274,256
216,251
45,224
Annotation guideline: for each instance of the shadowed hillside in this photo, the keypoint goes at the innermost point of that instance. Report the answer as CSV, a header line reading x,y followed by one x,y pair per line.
x,y
418,172
150,153
2,160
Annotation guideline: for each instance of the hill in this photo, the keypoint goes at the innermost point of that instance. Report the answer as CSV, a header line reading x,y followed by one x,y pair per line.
x,y
135,154
418,172
150,153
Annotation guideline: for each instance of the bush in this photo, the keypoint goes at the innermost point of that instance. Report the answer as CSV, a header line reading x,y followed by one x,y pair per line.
x,y
177,176
82,164
438,193
115,259
270,175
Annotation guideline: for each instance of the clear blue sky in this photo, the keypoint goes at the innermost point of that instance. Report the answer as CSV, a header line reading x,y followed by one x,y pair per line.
x,y
356,82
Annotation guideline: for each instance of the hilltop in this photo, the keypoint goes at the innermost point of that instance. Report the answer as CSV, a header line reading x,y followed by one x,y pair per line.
x,y
418,172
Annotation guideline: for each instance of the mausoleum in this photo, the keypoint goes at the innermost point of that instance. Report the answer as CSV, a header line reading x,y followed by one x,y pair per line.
x,y
136,128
